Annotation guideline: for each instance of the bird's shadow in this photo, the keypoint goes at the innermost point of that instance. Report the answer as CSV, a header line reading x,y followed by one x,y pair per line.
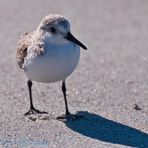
x,y
97,127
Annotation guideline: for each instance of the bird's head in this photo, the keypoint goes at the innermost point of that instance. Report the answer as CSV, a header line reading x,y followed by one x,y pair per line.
x,y
57,30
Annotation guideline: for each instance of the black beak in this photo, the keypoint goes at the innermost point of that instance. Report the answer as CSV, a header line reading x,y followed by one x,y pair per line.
x,y
71,38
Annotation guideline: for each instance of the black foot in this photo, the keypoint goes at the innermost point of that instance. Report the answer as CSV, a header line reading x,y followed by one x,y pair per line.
x,y
33,111
69,117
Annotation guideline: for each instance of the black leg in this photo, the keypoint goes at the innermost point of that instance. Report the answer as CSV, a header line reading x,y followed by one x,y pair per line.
x,y
32,109
30,93
67,115
65,99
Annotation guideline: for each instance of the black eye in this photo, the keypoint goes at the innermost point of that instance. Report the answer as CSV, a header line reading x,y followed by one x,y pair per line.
x,y
53,30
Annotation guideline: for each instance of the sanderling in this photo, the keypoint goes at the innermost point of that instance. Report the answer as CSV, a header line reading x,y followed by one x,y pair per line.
x,y
49,54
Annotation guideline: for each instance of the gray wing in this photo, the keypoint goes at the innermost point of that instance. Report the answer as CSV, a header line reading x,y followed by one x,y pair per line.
x,y
23,45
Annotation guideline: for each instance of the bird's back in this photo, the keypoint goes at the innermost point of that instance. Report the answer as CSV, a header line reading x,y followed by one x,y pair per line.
x,y
23,45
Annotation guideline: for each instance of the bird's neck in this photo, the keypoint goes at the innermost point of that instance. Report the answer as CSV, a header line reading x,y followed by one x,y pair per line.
x,y
41,37
46,38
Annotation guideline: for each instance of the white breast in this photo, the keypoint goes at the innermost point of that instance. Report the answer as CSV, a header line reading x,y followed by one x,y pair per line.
x,y
57,63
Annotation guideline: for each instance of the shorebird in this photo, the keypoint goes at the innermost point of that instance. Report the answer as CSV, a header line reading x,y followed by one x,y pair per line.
x,y
49,54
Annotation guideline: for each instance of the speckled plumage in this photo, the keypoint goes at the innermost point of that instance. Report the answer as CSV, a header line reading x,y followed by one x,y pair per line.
x,y
36,38
61,56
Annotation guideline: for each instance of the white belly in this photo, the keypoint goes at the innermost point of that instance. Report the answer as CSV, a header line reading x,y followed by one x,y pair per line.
x,y
57,63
